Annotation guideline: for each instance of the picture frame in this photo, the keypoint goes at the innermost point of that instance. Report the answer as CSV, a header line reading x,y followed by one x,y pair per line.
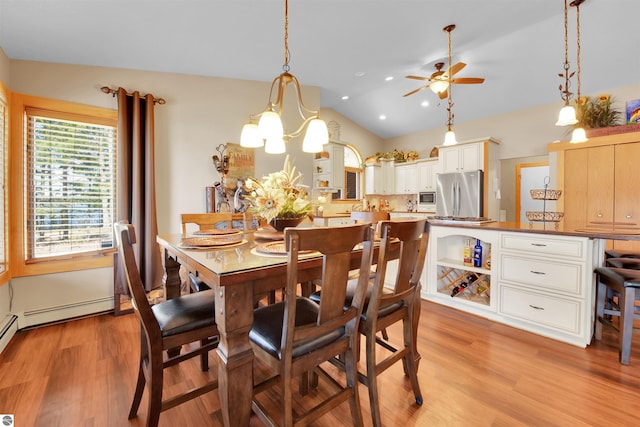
x,y
633,112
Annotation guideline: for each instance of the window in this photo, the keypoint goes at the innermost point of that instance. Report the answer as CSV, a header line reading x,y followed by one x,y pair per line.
x,y
352,173
68,167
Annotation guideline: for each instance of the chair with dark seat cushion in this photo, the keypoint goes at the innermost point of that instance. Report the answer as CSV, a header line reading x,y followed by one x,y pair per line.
x,y
620,279
384,307
295,336
164,326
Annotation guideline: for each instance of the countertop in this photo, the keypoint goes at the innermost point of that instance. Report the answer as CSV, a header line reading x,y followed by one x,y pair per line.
x,y
621,234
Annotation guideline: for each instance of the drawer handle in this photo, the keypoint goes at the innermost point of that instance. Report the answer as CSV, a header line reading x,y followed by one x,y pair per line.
x,y
535,307
537,272
538,244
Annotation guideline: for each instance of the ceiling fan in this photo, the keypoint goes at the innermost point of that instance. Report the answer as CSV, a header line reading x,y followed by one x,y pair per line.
x,y
440,80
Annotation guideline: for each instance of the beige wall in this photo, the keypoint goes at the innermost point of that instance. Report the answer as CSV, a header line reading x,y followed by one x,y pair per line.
x,y
4,68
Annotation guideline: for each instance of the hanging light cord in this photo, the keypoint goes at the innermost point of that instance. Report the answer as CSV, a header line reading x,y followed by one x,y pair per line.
x,y
577,4
566,95
449,102
286,67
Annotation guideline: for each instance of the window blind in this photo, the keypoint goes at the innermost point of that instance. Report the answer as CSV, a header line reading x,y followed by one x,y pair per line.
x,y
71,179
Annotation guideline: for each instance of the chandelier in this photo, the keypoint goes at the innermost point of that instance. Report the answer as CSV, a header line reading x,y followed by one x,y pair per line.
x,y
269,130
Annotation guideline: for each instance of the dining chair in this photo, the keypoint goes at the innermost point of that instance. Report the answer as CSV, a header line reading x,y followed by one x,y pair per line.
x,y
616,295
205,221
384,307
371,217
296,335
168,325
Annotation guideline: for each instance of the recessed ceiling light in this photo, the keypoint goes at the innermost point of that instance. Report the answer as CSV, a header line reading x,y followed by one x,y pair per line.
x,y
344,98
359,74
382,117
389,78
425,103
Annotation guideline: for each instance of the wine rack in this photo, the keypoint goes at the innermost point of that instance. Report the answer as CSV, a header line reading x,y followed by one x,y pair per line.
x,y
464,284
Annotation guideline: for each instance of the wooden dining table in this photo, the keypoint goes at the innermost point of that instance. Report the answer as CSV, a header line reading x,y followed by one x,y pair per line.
x,y
237,273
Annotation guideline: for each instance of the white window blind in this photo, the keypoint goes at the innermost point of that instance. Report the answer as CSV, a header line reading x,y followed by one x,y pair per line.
x,y
71,195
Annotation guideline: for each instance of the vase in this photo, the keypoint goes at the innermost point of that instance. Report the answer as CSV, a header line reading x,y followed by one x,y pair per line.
x,y
281,223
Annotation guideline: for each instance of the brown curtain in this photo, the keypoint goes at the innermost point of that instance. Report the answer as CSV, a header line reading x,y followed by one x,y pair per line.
x,y
136,185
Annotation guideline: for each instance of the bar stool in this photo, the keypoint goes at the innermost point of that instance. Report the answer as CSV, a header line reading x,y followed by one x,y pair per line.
x,y
621,279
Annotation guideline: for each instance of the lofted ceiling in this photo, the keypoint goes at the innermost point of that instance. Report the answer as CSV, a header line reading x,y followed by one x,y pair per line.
x,y
345,47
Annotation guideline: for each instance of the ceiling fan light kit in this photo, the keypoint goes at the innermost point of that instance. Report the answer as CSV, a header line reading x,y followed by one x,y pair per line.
x,y
269,132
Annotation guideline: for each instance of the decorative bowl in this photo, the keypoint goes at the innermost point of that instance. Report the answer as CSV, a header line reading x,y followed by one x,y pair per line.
x,y
544,216
541,194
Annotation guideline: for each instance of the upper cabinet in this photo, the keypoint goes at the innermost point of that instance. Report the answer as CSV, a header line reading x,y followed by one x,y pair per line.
x,y
379,178
426,171
462,157
405,179
328,168
599,179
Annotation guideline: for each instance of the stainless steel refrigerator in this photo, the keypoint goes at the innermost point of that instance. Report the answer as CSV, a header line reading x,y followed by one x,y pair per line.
x,y
460,194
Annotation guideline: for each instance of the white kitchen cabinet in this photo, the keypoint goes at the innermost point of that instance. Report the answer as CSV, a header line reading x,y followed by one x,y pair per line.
x,y
545,284
462,157
379,178
405,179
539,282
328,168
426,174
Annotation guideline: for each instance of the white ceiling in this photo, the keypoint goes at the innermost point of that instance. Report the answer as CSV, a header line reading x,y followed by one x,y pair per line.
x,y
516,45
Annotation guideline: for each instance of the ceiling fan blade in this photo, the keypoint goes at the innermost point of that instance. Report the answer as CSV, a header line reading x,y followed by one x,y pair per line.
x,y
455,68
444,94
414,91
418,78
467,80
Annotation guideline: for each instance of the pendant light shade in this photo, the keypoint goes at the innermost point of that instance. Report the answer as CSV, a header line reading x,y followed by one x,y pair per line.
x,y
578,135
567,116
270,125
274,146
317,135
439,86
250,136
450,138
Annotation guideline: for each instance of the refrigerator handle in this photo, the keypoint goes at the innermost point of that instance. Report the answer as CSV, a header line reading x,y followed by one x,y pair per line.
x,y
456,199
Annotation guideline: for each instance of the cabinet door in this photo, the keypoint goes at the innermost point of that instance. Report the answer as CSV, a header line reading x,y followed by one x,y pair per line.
x,y
372,175
426,172
575,189
471,157
627,177
600,185
405,179
449,159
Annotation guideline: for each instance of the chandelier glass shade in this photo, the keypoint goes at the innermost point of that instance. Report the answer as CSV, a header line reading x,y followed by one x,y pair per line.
x,y
439,86
270,128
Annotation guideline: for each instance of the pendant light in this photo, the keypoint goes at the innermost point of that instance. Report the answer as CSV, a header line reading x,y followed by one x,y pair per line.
x,y
578,135
450,136
567,114
269,131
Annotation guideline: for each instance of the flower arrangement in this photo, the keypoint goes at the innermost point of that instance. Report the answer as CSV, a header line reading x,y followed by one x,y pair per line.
x,y
596,112
279,195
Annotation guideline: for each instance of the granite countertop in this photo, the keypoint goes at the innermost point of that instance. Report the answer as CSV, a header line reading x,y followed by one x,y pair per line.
x,y
539,228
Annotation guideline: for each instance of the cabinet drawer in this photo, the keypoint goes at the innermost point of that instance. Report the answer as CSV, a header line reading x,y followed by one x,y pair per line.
x,y
543,309
559,276
544,245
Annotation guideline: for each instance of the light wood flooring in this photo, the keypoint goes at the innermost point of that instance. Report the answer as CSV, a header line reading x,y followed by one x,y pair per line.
x,y
473,372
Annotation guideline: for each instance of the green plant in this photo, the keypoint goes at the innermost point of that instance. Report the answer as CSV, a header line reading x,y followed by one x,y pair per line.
x,y
596,112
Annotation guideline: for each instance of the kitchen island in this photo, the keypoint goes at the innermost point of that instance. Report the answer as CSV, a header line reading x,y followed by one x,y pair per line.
x,y
534,278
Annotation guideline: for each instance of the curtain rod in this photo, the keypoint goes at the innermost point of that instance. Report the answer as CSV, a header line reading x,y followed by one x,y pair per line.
x,y
107,89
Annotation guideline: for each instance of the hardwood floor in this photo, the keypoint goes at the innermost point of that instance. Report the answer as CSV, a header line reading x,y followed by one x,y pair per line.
x,y
473,372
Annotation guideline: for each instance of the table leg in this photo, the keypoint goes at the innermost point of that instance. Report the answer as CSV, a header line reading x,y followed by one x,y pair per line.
x,y
171,280
234,316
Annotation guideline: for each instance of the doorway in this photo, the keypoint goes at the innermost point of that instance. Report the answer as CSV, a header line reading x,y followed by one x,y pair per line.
x,y
529,176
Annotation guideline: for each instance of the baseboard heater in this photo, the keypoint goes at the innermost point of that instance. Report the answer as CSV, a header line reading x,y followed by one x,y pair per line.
x,y
67,311
9,329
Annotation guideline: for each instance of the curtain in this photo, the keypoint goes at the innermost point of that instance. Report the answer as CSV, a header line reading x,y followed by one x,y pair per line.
x,y
136,185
